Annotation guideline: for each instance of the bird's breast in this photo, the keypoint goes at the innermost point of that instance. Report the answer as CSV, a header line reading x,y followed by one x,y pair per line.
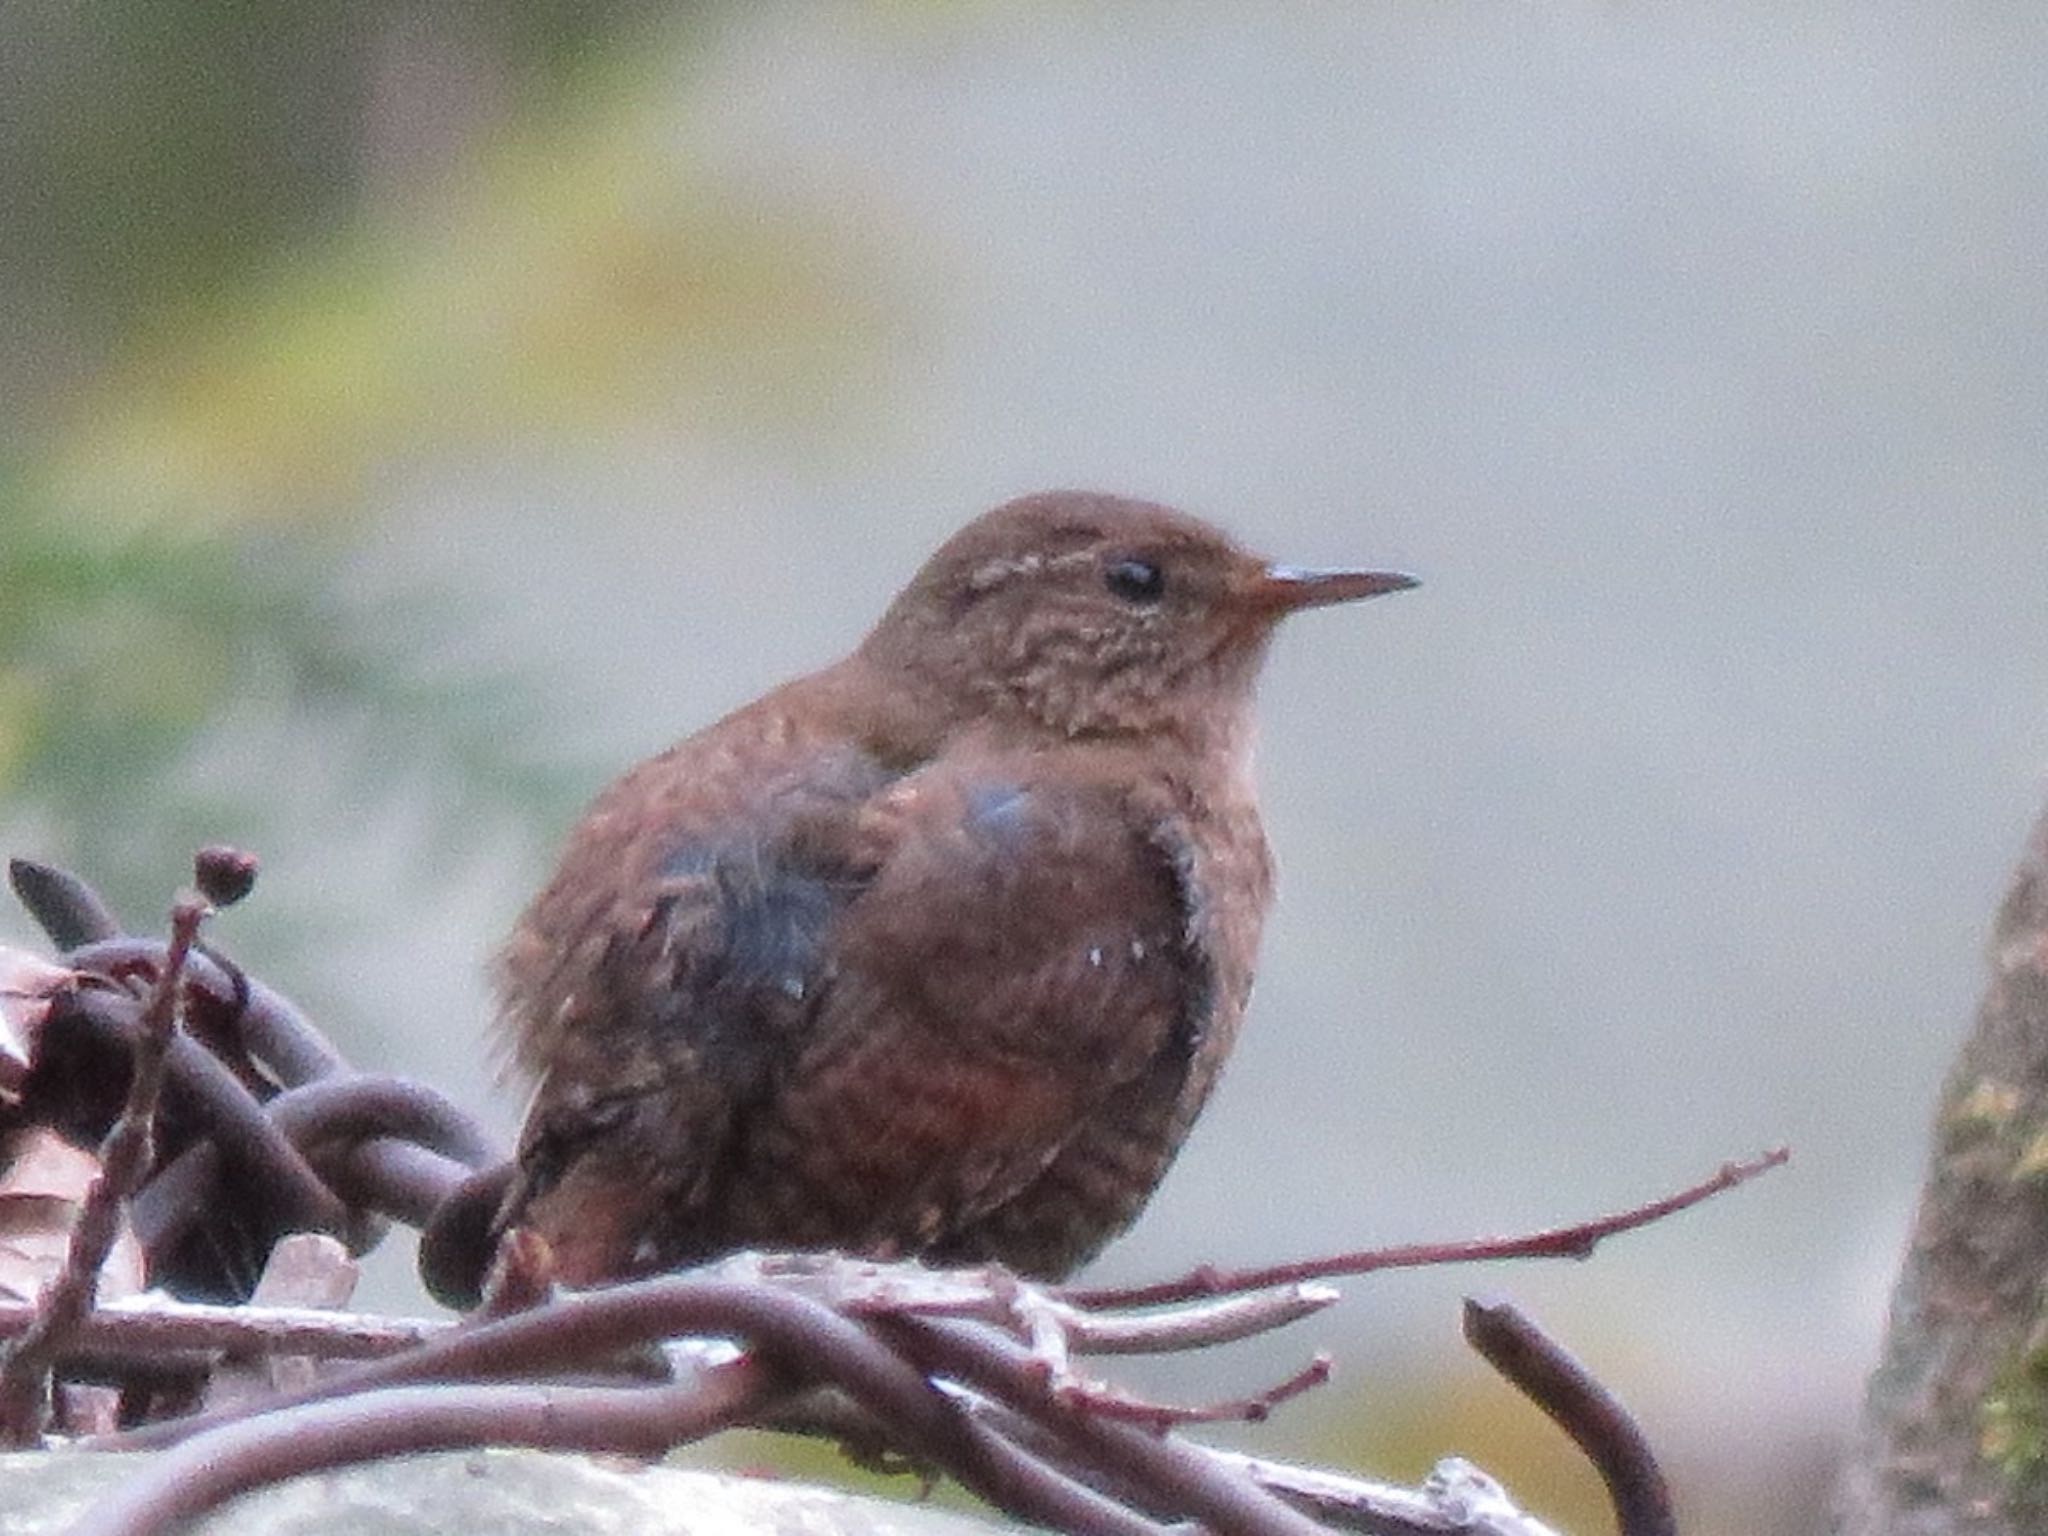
x,y
1219,845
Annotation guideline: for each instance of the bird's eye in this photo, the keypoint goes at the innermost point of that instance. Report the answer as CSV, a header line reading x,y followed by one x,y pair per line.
x,y
1135,581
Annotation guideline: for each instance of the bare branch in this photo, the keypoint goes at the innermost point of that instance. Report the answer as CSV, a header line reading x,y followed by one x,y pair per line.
x,y
1572,1242
1254,1408
124,1159
966,1371
152,1324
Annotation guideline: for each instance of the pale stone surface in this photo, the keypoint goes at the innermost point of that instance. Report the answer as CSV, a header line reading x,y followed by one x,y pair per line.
x,y
504,1493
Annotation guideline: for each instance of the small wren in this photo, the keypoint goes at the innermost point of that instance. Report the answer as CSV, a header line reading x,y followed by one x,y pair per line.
x,y
936,952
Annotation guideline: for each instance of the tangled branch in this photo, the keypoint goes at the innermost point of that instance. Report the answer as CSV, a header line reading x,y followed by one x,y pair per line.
x,y
240,1124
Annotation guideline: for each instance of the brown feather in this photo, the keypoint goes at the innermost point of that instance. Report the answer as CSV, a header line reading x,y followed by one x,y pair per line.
x,y
937,951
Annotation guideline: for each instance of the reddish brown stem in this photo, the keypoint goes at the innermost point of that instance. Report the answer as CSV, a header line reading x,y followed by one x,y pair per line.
x,y
1253,1408
124,1159
1573,1242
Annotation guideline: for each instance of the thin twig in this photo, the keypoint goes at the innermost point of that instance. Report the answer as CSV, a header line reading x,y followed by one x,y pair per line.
x,y
124,1158
1570,1242
859,1289
1254,1408
990,1294
1545,1372
1220,1497
1196,1325
149,1324
807,1339
134,1329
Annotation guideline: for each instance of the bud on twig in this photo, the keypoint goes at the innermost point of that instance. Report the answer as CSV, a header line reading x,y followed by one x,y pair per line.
x,y
223,874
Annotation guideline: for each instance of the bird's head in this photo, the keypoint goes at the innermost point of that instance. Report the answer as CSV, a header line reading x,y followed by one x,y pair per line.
x,y
1090,615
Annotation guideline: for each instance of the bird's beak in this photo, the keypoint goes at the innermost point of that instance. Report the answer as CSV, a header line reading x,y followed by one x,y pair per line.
x,y
1280,589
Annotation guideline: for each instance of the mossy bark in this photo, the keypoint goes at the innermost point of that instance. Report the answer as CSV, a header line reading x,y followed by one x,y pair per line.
x,y
1954,1437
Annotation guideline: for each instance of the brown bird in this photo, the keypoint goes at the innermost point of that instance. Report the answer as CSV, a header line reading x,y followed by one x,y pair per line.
x,y
934,952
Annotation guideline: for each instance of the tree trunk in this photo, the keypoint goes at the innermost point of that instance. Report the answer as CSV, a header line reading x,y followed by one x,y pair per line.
x,y
1954,1438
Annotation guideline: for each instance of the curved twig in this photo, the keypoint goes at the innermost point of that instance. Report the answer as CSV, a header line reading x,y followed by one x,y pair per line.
x,y
573,1333
69,911
396,1178
211,1469
276,1031
359,1107
457,1236
403,1148
1594,1417
807,1339
1251,1408
266,1162
266,1024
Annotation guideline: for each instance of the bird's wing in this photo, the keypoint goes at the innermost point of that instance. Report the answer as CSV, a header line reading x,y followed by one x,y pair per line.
x,y
657,984
1018,955
864,1021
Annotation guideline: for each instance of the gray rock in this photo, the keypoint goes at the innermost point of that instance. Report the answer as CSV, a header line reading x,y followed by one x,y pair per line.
x,y
500,1492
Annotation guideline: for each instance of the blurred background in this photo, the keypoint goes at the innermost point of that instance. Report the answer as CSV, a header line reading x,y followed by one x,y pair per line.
x,y
415,412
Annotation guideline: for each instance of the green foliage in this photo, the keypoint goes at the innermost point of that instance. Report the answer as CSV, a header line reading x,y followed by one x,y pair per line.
x,y
125,657
253,332
580,268
2013,1429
